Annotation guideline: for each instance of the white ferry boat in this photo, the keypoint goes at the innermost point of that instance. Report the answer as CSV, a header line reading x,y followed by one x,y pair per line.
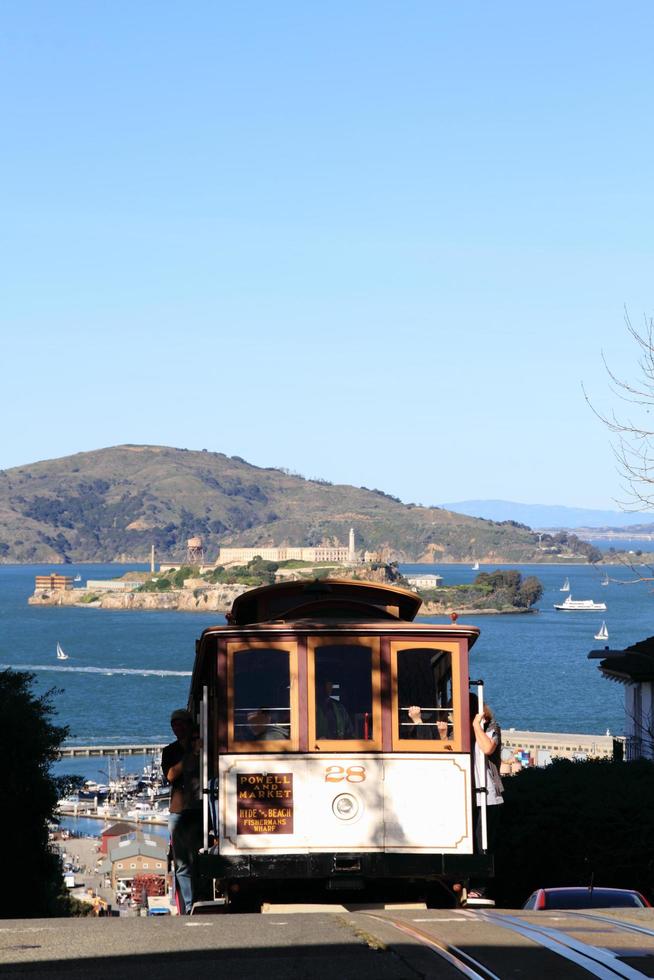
x,y
579,605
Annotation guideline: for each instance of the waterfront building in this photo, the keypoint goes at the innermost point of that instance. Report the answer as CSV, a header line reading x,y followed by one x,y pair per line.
x,y
53,582
111,835
425,581
111,585
135,855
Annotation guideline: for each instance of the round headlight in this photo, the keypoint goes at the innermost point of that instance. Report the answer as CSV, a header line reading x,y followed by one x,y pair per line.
x,y
345,806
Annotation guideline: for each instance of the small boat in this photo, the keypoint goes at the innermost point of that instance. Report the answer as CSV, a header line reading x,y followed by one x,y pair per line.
x,y
605,580
78,578
580,605
566,586
475,567
603,633
60,653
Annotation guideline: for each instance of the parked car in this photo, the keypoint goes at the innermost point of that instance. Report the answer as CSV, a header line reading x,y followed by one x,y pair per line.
x,y
583,897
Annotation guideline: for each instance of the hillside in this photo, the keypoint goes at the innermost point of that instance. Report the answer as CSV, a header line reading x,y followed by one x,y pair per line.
x,y
547,515
113,504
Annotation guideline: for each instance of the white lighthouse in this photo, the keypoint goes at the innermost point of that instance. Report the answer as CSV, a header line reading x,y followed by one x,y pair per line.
x,y
351,554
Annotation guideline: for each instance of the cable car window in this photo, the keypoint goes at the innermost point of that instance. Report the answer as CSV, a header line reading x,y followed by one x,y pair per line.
x,y
424,689
262,695
343,692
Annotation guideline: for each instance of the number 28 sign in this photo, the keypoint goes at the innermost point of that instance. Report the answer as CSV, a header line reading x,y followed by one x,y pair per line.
x,y
339,774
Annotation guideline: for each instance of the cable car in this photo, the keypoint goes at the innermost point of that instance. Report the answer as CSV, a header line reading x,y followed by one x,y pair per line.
x,y
336,745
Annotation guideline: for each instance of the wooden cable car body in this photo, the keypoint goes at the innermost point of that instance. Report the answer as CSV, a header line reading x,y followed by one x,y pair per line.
x,y
313,768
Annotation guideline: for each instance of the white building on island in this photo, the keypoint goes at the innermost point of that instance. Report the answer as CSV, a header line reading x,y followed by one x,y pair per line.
x,y
426,581
337,553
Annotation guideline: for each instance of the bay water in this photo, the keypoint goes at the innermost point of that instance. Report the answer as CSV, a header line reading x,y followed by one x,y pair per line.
x,y
127,670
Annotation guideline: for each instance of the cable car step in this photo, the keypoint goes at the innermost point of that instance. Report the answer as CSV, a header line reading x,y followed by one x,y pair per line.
x,y
347,863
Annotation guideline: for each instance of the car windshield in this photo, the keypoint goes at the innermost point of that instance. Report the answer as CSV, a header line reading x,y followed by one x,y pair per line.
x,y
584,898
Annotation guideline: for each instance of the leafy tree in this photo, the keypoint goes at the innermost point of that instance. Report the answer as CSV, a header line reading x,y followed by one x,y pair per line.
x,y
180,576
32,873
531,590
502,589
573,820
266,569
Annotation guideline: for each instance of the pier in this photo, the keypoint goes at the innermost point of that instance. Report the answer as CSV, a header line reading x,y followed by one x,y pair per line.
x,y
543,746
91,751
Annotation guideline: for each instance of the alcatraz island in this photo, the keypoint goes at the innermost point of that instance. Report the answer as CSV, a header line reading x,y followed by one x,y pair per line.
x,y
196,586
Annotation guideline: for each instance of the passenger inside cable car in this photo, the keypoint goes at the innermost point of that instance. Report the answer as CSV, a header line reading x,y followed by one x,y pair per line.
x,y
343,691
263,728
424,679
262,708
332,717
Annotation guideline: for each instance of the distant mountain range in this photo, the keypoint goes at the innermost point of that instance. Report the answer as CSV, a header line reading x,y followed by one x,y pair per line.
x,y
113,504
540,516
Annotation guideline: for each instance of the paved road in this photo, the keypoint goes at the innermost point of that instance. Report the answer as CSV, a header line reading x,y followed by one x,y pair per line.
x,y
372,945
275,947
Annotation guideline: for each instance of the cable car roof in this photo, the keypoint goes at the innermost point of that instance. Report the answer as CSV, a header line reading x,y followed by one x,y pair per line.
x,y
324,598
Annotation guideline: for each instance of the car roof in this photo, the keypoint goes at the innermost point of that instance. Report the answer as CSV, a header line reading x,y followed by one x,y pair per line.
x,y
587,888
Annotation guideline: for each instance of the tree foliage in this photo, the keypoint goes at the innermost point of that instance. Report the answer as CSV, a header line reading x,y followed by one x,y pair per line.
x,y
502,589
32,874
257,572
573,820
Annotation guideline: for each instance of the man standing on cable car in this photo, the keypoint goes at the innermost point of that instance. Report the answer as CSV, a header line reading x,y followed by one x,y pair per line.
x,y
180,765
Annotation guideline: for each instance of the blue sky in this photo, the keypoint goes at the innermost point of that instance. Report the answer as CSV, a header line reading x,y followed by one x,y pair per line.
x,y
380,243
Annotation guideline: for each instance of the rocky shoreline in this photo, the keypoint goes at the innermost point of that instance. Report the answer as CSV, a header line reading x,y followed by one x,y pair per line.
x,y
218,599
182,600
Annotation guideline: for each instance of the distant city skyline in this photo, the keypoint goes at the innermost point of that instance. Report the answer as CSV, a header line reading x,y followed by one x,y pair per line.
x,y
378,244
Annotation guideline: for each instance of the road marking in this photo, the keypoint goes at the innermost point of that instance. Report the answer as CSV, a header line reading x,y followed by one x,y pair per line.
x,y
436,920
30,929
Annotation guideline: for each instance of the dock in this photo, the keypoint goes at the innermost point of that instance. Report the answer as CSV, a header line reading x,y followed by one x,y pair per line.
x,y
68,751
541,746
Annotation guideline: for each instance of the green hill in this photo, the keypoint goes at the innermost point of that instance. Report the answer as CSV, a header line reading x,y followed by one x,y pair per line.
x,y
113,504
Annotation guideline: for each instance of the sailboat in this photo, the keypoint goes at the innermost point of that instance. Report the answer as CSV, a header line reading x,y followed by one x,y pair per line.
x,y
603,633
605,580
60,653
566,586
475,567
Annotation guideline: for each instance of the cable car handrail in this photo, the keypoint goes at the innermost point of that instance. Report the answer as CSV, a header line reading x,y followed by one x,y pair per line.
x,y
265,707
426,707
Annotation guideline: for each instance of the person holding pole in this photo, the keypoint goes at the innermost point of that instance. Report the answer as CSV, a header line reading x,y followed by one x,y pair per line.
x,y
487,750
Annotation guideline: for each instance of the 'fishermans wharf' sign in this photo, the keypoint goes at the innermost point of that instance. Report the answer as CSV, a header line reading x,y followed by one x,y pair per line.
x,y
264,803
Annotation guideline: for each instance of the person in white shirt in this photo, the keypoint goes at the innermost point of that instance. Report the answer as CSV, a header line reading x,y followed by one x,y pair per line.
x,y
486,763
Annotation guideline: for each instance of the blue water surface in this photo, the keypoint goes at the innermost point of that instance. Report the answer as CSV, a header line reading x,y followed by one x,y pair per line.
x,y
98,702
535,666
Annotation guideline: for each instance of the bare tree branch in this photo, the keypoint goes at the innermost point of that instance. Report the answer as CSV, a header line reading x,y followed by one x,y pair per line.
x,y
633,447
